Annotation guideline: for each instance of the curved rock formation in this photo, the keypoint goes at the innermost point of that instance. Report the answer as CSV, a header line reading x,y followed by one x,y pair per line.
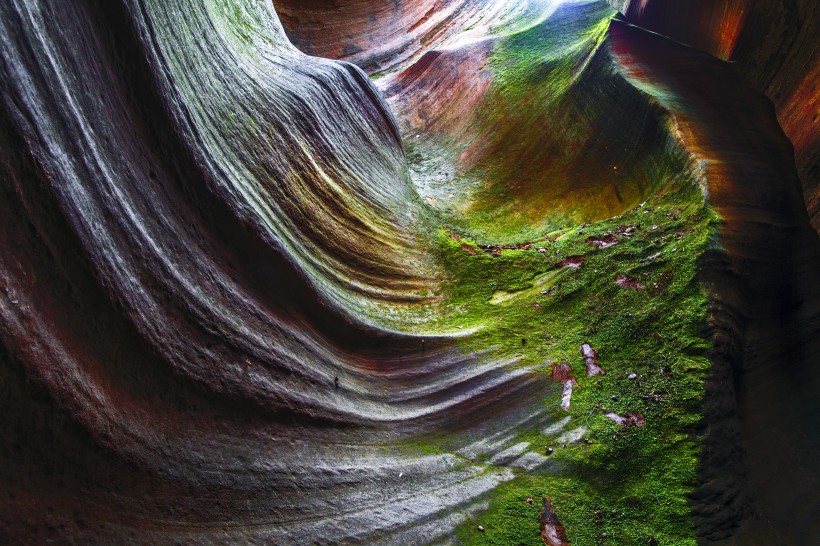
x,y
521,119
775,46
200,226
766,305
247,295
380,36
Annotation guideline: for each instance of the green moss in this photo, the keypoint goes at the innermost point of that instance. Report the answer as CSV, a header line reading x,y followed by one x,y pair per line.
x,y
548,175
532,131
644,474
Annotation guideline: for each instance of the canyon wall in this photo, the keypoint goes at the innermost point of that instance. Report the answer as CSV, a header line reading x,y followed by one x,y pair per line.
x,y
251,295
774,44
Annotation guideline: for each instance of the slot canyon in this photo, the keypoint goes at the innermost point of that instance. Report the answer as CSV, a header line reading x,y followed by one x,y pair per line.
x,y
410,272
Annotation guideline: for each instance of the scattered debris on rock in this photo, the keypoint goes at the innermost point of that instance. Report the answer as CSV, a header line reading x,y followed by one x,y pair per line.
x,y
566,396
652,396
591,360
495,250
625,281
552,532
572,262
468,248
627,420
562,373
606,241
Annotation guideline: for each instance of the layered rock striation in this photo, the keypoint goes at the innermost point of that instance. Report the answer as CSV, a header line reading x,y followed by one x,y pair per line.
x,y
201,227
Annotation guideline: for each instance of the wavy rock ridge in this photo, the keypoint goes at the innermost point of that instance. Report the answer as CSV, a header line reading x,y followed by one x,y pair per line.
x,y
226,213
